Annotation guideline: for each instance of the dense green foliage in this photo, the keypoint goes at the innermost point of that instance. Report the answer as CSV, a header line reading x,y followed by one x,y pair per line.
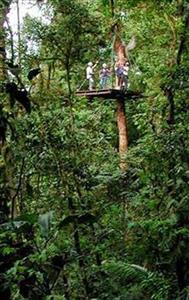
x,y
72,224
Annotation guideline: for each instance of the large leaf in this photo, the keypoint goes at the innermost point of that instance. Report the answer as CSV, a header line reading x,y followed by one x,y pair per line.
x,y
68,220
86,218
81,219
18,226
30,218
45,222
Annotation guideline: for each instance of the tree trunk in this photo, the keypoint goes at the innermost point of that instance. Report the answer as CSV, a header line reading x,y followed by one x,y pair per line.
x,y
123,133
119,49
9,174
3,13
18,32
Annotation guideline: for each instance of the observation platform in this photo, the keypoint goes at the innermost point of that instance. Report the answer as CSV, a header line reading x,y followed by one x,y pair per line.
x,y
110,94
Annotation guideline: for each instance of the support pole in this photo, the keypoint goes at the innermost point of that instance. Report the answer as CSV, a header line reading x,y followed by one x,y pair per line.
x,y
123,132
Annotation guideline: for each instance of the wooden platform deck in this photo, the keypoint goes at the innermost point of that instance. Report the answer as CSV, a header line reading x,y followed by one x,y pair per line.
x,y
110,94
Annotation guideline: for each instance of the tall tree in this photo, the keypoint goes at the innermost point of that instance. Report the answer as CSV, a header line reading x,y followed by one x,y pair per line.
x,y
4,9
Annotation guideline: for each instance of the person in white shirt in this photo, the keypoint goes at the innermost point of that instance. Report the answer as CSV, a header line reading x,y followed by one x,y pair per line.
x,y
125,75
89,75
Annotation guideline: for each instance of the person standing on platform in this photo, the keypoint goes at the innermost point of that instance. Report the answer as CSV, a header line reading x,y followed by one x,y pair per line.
x,y
125,75
119,71
104,76
90,75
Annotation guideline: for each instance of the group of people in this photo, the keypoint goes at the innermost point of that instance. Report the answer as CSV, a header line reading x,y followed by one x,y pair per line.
x,y
121,72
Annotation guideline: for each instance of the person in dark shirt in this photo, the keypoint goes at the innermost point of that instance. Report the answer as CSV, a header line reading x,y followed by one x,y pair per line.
x,y
104,76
